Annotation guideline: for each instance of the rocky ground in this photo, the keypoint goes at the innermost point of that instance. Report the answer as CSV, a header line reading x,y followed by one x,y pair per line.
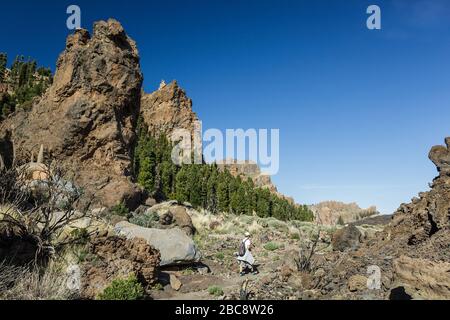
x,y
276,246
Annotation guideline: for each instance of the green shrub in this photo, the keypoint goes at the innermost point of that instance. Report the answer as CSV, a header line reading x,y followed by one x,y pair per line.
x,y
246,219
276,224
272,246
123,289
82,255
215,291
158,286
120,210
295,236
80,235
145,220
220,256
188,271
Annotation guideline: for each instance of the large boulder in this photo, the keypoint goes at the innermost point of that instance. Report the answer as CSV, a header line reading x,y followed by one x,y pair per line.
x,y
86,120
422,279
357,283
117,257
347,238
175,246
172,212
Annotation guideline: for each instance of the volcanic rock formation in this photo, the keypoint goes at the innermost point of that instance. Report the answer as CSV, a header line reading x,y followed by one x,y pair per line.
x,y
116,258
413,251
86,120
248,169
167,109
334,212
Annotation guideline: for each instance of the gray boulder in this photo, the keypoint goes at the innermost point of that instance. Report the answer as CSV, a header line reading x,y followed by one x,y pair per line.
x,y
174,245
347,238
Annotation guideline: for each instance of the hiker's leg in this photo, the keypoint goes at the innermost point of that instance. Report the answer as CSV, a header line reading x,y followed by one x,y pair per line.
x,y
255,270
241,267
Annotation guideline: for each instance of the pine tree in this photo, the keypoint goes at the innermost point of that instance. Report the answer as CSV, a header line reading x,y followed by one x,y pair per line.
x,y
223,200
211,190
205,172
194,182
238,201
3,64
182,190
263,203
167,179
145,177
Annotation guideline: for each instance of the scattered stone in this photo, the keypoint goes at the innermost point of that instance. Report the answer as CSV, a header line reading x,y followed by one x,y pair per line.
x,y
150,202
141,209
171,212
285,272
166,219
268,279
357,283
347,238
175,283
203,270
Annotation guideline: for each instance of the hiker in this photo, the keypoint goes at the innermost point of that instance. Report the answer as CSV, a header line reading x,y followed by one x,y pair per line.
x,y
245,257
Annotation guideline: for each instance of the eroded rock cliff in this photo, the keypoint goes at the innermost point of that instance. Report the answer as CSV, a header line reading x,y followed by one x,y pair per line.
x,y
413,251
86,120
167,109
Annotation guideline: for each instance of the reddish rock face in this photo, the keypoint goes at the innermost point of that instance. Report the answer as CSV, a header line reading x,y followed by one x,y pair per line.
x,y
86,120
118,258
334,212
248,169
167,109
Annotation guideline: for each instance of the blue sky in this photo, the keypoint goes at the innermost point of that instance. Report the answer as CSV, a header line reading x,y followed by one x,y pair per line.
x,y
358,110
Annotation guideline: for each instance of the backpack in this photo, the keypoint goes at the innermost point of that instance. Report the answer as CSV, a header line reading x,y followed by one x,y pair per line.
x,y
242,248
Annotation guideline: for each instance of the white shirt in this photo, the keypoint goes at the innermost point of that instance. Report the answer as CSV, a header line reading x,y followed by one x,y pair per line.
x,y
247,243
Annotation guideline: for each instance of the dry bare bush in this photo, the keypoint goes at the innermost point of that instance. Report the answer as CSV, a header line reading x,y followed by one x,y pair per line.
x,y
305,261
37,210
31,283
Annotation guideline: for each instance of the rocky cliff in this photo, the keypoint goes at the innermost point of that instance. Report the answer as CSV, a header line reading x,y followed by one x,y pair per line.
x,y
334,212
167,109
248,169
86,119
413,251
424,224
